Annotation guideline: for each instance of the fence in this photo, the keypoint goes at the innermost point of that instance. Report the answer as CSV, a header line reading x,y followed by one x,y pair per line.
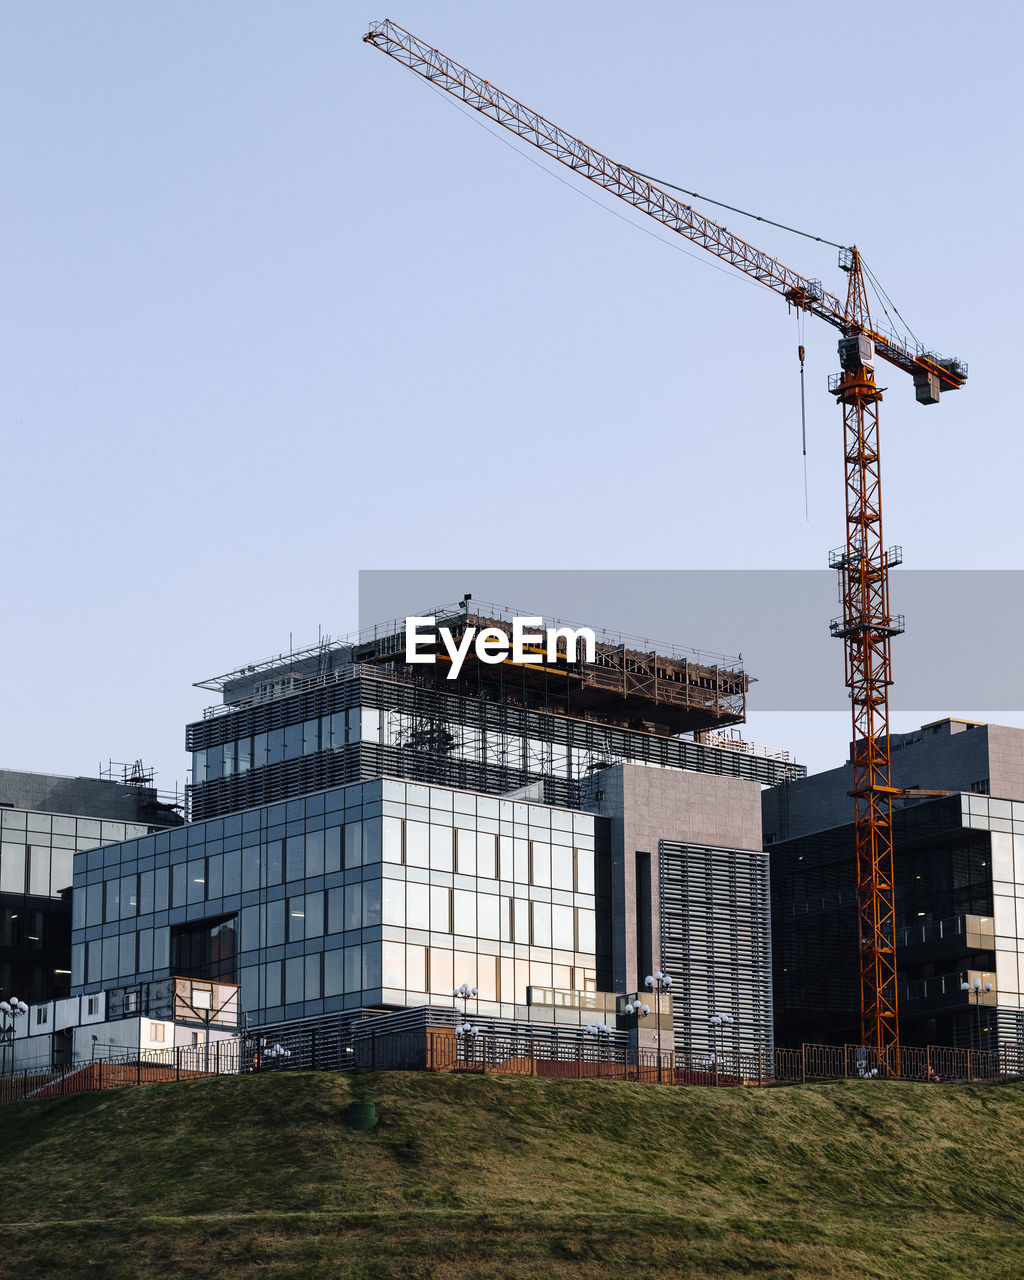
x,y
158,1066
375,1048
370,1047
933,1062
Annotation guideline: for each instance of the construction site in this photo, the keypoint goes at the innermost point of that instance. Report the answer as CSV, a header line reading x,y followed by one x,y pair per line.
x,y
867,624
653,907
496,728
555,833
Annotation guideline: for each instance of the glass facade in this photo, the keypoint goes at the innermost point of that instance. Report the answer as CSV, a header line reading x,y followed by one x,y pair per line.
x,y
959,894
1004,820
37,853
505,747
382,894
368,724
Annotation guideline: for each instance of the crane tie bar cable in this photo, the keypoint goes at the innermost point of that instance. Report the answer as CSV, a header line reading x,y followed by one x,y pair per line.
x,y
732,208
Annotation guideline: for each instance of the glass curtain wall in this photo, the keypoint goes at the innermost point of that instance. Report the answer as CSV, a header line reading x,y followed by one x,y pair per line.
x,y
383,893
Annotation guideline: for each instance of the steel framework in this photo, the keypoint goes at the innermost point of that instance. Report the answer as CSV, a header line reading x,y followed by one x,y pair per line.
x,y
464,723
866,626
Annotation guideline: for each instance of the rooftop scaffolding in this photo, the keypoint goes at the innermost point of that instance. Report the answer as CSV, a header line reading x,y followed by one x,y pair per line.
x,y
631,681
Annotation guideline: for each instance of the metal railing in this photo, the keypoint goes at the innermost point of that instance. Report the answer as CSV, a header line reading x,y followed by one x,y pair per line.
x,y
221,1057
373,1045
375,1048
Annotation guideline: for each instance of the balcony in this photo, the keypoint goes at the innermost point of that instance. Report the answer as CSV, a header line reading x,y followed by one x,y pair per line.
x,y
938,939
945,991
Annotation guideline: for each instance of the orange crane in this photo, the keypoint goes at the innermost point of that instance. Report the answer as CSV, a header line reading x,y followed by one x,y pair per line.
x,y
867,625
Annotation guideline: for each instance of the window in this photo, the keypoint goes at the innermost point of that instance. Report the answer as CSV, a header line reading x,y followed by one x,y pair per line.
x,y
296,918
562,876
465,861
42,1016
394,840
417,844
156,1032
540,864
206,949
584,871
92,1005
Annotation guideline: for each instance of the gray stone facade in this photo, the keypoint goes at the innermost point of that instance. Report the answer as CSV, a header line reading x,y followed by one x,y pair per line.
x,y
91,797
955,755
710,827
647,806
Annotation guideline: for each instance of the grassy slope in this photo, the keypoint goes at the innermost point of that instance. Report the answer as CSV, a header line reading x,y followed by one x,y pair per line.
x,y
468,1176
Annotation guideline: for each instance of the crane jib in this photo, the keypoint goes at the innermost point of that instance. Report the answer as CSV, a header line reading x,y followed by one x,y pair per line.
x,y
461,83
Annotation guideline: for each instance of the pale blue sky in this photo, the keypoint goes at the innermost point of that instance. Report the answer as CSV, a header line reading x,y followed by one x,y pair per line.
x,y
275,311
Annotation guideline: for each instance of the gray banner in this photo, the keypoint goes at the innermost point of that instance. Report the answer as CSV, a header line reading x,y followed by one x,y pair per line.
x,y
959,650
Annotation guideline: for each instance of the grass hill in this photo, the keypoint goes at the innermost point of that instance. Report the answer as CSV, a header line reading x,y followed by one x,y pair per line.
x,y
465,1176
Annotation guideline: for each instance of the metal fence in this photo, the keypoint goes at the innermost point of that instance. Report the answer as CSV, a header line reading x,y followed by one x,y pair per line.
x,y
930,1063
371,1046
223,1057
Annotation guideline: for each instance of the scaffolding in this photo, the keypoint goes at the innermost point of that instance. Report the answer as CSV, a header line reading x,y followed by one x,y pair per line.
x,y
632,681
435,735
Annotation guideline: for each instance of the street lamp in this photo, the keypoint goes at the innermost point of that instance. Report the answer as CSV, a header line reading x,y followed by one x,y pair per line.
x,y
9,1010
658,982
716,1022
975,988
599,1031
641,1011
278,1055
465,993
466,1034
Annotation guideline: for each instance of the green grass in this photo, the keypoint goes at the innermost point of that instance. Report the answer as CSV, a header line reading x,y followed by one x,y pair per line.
x,y
469,1176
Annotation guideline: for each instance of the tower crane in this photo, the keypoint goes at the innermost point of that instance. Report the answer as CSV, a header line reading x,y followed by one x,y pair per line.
x,y
866,626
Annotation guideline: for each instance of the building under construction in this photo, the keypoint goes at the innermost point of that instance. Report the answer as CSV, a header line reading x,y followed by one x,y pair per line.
x,y
368,834
338,713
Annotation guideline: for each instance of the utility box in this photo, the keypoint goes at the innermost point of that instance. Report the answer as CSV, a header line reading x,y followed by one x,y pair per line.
x,y
856,353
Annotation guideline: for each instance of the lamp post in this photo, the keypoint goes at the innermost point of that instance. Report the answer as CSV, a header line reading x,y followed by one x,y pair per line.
x,y
9,1010
716,1022
465,993
465,1035
599,1031
658,982
975,988
641,1011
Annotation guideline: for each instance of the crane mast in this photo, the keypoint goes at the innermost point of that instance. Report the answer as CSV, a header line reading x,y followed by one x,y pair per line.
x,y
866,626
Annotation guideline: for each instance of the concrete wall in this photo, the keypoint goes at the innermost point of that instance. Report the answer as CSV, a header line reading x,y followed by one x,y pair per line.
x,y
83,797
949,754
649,805
1006,761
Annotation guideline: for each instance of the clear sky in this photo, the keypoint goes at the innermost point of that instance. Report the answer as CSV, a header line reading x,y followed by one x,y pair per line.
x,y
275,311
